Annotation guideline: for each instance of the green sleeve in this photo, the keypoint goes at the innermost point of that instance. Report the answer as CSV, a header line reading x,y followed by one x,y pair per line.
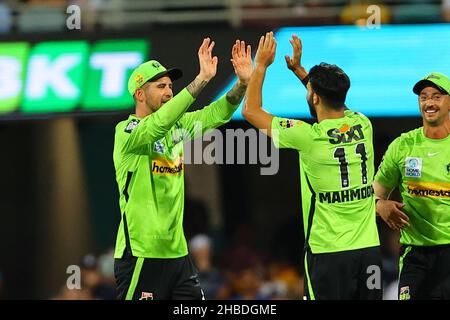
x,y
212,116
154,126
292,134
389,174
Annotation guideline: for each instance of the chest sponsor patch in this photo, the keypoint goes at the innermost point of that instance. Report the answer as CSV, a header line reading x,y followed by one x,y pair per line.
x,y
413,167
429,189
162,166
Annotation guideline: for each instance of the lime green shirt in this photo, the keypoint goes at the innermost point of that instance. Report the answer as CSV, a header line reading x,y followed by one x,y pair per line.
x,y
336,172
420,166
149,164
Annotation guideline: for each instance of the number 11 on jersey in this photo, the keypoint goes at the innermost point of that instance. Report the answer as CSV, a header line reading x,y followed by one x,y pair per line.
x,y
339,154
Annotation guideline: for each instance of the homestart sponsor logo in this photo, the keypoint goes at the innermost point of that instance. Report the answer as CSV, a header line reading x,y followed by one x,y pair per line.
x,y
167,167
346,195
429,189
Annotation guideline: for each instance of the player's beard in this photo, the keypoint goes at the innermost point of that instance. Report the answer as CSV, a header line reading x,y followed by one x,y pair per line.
x,y
312,109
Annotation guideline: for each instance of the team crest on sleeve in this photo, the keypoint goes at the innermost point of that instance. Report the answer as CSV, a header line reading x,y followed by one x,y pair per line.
x,y
131,125
413,167
287,123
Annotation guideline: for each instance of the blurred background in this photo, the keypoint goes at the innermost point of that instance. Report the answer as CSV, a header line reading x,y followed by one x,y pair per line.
x,y
63,72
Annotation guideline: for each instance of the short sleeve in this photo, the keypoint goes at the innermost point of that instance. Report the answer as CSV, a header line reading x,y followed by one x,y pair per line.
x,y
389,173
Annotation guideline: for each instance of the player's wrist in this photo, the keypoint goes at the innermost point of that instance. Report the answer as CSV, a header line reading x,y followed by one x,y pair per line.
x,y
203,78
300,72
260,67
377,211
298,69
242,82
377,200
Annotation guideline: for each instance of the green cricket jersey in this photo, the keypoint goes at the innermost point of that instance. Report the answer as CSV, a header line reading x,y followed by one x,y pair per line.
x,y
336,173
420,166
148,159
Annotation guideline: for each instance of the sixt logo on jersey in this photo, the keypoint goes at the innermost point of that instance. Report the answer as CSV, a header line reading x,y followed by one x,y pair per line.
x,y
345,134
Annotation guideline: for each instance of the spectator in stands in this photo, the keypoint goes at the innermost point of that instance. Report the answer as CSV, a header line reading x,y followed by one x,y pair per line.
x,y
97,280
446,10
210,277
5,17
43,16
284,282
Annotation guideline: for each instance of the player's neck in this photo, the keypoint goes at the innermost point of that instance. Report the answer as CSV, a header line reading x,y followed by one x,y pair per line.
x,y
437,132
326,113
142,111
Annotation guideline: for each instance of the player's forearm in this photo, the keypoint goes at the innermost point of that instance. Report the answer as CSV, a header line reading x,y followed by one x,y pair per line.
x,y
252,110
301,74
196,86
237,93
381,192
172,110
254,94
216,114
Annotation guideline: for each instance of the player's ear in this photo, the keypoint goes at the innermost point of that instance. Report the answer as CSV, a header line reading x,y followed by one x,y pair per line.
x,y
139,95
316,99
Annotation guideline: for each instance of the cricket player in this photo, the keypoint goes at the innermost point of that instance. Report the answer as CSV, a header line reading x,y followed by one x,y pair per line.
x,y
151,254
418,162
342,256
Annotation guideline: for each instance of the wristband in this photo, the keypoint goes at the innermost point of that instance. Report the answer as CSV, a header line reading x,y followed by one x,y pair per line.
x,y
305,80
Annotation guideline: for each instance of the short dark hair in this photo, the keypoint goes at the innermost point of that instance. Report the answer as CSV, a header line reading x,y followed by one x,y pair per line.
x,y
331,83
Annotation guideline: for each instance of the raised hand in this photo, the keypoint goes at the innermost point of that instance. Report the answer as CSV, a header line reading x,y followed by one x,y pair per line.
x,y
242,61
294,62
266,50
208,63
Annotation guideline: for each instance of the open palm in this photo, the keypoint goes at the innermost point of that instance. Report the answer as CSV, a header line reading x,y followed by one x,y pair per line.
x,y
242,61
295,62
208,63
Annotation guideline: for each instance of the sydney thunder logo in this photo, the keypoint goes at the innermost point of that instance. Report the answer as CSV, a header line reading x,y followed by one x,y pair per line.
x,y
139,79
